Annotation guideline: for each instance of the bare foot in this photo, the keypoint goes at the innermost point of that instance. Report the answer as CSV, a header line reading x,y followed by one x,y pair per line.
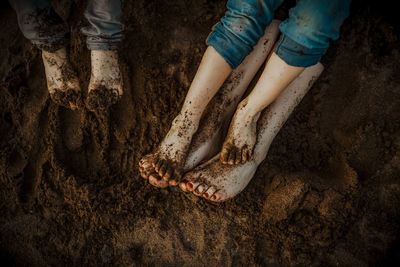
x,y
206,143
218,182
62,81
105,86
239,143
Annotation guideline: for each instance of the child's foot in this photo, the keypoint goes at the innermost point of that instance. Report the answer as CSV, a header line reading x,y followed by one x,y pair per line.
x,y
218,182
239,143
62,81
105,86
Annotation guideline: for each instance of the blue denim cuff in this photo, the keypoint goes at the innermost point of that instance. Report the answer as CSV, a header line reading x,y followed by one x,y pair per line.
x,y
97,41
228,45
93,43
295,54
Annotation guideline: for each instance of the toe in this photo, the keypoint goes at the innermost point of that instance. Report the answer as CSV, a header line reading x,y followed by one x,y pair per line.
x,y
217,196
183,185
224,155
163,170
168,173
192,185
145,163
73,106
232,154
244,155
173,182
209,192
200,189
156,163
148,159
250,155
144,174
157,180
238,156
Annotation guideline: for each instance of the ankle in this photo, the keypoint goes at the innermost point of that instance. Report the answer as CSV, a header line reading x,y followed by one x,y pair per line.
x,y
187,120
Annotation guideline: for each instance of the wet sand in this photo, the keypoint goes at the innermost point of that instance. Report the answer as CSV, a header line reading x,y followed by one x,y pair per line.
x,y
328,192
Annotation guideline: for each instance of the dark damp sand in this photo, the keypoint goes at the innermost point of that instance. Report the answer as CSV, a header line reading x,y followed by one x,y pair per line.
x,y
328,192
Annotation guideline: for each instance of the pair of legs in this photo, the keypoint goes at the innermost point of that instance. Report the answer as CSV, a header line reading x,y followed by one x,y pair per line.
x,y
205,175
307,32
45,29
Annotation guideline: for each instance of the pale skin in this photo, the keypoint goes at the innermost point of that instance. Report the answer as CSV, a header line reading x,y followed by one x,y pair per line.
x,y
213,179
208,139
169,159
105,71
61,76
218,182
239,143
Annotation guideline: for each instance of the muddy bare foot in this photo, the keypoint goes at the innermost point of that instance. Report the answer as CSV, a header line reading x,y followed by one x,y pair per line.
x,y
218,182
105,87
239,143
147,172
170,157
62,81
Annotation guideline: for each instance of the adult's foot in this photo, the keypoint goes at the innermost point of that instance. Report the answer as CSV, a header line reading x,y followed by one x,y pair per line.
x,y
105,86
217,181
62,81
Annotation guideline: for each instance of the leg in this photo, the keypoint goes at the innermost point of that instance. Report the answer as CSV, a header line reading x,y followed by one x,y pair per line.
x,y
219,182
45,29
102,37
230,42
207,141
312,23
240,140
171,155
41,24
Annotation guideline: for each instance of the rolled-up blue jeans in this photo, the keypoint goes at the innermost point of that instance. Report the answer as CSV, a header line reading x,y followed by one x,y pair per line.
x,y
45,29
311,25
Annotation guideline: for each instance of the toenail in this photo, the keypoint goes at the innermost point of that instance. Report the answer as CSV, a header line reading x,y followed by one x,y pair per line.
x,y
141,162
141,168
159,178
190,185
214,197
206,194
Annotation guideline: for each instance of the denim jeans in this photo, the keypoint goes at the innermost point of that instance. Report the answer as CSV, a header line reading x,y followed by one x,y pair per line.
x,y
306,33
44,27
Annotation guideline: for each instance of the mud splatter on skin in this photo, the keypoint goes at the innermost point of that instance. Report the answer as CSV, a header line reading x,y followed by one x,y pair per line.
x,y
305,206
101,99
47,24
65,98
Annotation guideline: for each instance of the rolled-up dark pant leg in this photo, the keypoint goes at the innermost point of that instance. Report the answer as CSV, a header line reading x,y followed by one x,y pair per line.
x,y
41,24
240,29
105,29
311,25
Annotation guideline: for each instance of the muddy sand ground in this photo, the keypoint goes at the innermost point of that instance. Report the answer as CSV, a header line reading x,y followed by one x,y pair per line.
x,y
328,192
